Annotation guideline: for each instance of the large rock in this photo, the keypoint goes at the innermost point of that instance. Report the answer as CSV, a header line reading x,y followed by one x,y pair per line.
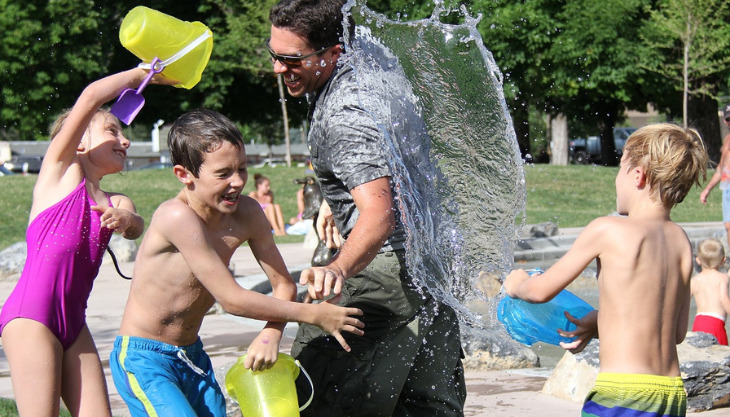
x,y
705,368
124,250
574,375
492,349
12,260
547,229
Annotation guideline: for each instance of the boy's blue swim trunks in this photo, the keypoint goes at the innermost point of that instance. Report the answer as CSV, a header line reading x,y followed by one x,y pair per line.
x,y
158,379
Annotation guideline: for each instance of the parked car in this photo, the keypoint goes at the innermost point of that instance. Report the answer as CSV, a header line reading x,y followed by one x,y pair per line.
x,y
588,150
272,162
154,165
4,171
32,164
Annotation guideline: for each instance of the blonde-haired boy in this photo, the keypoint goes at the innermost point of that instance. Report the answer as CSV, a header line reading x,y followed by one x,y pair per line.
x,y
645,264
710,290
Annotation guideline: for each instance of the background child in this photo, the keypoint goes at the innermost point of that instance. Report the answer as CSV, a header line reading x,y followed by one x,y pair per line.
x,y
265,197
158,363
710,290
49,348
645,264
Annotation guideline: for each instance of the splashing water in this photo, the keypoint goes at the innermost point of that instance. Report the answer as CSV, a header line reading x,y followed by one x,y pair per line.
x,y
451,146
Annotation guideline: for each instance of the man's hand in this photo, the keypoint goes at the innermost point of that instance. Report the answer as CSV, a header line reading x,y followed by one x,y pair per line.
x,y
323,281
326,228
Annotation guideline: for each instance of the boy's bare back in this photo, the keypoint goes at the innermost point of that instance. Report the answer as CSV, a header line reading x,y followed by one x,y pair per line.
x,y
645,267
707,289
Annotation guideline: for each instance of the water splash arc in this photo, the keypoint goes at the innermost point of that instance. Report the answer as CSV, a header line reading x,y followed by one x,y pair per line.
x,y
456,164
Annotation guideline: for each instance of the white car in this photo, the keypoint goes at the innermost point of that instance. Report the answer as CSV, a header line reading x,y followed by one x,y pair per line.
x,y
272,162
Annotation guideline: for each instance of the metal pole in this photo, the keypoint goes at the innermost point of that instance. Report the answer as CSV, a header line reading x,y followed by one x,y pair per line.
x,y
282,99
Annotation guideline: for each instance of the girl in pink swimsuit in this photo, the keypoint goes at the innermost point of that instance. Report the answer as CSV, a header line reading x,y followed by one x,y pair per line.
x,y
265,197
50,351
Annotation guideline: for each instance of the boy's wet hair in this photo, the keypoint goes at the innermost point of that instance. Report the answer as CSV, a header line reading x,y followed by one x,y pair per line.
x,y
711,253
317,21
674,159
198,132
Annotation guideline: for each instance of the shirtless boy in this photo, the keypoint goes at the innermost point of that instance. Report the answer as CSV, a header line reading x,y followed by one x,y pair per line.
x,y
158,363
645,264
710,290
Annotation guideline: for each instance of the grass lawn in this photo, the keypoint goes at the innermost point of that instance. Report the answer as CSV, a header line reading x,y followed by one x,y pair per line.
x,y
573,195
8,409
570,196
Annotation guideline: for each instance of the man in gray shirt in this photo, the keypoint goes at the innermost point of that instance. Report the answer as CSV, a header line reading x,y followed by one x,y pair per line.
x,y
408,362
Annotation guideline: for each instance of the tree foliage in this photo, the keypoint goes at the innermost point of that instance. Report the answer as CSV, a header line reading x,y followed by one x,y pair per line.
x,y
47,49
520,34
587,59
686,44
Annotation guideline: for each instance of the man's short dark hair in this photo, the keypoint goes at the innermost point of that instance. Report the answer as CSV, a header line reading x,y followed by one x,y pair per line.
x,y
318,21
198,132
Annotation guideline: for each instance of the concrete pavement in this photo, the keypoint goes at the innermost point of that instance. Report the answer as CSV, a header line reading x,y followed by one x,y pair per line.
x,y
509,393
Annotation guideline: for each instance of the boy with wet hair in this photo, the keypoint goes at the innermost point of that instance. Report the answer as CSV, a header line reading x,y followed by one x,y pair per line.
x,y
645,264
710,290
158,363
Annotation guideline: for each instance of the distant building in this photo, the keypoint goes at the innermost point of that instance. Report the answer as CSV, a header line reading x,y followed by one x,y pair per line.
x,y
142,153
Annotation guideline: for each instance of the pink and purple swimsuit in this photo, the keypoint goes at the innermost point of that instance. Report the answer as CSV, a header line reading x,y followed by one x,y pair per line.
x,y
66,244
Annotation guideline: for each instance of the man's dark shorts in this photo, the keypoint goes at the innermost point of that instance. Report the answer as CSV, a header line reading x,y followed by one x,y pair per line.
x,y
408,363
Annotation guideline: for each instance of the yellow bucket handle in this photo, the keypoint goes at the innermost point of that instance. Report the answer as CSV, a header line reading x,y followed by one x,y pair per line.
x,y
181,53
311,384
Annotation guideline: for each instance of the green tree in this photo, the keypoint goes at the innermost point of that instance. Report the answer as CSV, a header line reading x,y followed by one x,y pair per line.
x,y
686,44
241,80
596,72
48,49
520,34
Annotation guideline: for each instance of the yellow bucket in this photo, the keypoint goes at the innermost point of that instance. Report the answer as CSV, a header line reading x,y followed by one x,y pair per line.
x,y
183,47
268,393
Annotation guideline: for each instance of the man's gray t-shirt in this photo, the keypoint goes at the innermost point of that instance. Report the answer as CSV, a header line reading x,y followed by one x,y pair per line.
x,y
347,148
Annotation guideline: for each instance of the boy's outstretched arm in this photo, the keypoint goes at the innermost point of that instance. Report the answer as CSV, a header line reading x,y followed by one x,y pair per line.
x,y
182,227
264,350
62,148
543,287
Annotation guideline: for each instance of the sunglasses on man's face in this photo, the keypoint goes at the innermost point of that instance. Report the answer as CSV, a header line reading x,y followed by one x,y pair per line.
x,y
292,61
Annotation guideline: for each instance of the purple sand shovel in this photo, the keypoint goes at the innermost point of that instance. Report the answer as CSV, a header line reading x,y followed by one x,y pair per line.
x,y
131,101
